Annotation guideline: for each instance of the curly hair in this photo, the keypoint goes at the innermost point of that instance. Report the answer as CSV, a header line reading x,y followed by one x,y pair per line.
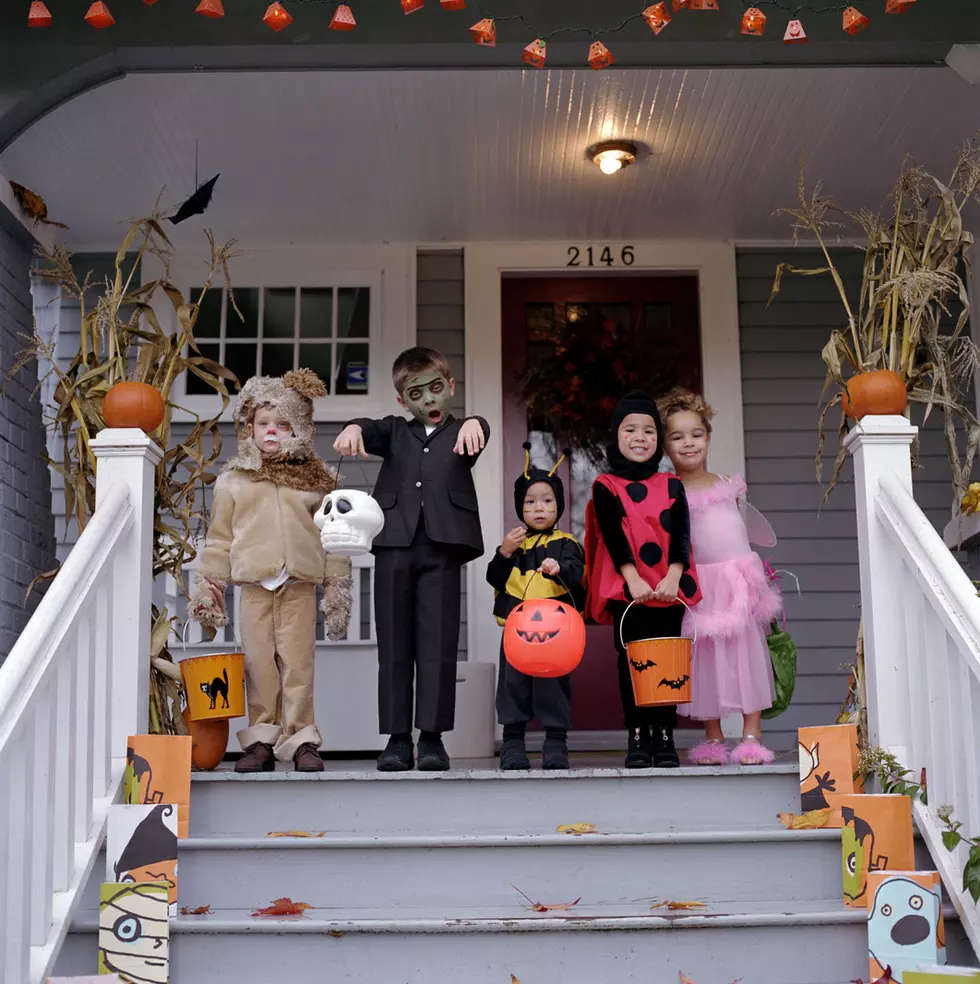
x,y
681,400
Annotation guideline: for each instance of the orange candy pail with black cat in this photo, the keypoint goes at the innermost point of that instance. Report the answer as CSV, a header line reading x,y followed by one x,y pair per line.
x,y
215,686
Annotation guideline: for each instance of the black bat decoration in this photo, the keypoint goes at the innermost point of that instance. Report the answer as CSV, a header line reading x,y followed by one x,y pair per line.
x,y
677,684
640,667
197,203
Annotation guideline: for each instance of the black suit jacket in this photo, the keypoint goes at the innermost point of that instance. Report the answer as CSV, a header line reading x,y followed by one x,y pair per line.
x,y
422,476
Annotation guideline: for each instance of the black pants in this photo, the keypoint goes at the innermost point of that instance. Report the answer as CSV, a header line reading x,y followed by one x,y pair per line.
x,y
644,622
521,697
417,618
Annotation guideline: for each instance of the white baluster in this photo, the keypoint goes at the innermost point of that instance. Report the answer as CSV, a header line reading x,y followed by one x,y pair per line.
x,y
101,636
85,738
15,955
65,763
41,881
912,685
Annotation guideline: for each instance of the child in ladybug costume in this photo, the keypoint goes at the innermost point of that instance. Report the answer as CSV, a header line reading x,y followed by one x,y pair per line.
x,y
638,549
536,560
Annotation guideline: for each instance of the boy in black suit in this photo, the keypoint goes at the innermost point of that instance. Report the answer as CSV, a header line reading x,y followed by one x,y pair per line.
x,y
432,528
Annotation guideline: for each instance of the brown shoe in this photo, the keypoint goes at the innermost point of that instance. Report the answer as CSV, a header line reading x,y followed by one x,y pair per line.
x,y
258,757
307,758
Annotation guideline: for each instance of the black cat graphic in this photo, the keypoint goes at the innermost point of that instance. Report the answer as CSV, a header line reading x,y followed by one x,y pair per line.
x,y
216,687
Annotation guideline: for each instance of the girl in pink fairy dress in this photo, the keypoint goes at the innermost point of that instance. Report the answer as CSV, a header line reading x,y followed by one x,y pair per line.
x,y
731,668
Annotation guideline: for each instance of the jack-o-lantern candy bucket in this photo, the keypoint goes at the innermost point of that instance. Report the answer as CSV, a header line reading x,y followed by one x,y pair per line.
x,y
544,637
215,686
660,669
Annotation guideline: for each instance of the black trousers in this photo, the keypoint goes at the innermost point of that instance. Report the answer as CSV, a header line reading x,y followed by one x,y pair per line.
x,y
644,622
521,697
417,618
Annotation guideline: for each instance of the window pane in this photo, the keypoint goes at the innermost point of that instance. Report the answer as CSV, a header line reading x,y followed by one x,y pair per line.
x,y
352,369
277,359
315,312
540,322
240,359
317,358
279,317
656,317
209,316
195,385
353,312
247,299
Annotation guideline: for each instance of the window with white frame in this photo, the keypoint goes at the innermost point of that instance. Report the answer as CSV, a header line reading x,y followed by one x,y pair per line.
x,y
330,330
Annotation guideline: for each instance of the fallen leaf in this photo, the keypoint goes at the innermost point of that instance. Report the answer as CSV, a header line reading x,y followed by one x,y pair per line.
x,y
514,980
337,934
297,833
541,907
886,978
201,910
810,820
577,828
685,979
674,905
284,907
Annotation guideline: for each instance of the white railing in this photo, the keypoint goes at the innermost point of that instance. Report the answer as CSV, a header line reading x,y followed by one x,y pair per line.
x,y
922,646
72,689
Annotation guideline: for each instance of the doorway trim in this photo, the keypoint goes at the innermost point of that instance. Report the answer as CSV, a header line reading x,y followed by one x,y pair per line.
x,y
485,264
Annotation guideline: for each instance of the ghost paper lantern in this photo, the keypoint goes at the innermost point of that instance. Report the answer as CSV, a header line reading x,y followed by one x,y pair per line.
x,y
348,520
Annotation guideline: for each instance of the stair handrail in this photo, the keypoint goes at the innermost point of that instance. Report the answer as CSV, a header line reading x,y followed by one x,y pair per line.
x,y
922,648
72,689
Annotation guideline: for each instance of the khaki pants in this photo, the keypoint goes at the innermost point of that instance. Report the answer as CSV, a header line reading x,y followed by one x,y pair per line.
x,y
279,637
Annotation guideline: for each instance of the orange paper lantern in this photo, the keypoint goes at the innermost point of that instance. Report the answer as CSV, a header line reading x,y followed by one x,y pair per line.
x,y
485,32
898,6
453,4
410,6
657,17
600,56
39,15
753,22
343,19
535,53
210,8
703,4
277,17
854,21
794,33
98,16
681,5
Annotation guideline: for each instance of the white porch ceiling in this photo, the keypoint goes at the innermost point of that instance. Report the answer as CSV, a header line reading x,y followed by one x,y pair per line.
x,y
460,156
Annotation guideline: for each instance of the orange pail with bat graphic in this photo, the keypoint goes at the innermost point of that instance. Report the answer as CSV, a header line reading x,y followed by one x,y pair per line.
x,y
660,669
215,686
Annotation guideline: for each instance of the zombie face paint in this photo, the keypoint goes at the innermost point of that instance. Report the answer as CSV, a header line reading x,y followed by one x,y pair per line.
x,y
427,396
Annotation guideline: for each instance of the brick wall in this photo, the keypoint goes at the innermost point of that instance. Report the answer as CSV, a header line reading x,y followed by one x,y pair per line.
x,y
26,524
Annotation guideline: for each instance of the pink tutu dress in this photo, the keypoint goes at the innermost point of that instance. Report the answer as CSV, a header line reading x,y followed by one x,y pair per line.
x,y
731,670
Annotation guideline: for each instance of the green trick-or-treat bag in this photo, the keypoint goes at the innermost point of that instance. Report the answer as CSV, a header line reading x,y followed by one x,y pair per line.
x,y
782,652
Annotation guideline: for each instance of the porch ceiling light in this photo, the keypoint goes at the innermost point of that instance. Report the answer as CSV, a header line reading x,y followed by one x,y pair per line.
x,y
613,155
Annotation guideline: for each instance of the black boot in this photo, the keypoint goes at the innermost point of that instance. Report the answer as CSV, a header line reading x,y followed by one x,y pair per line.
x,y
554,753
638,752
664,753
433,756
513,755
398,755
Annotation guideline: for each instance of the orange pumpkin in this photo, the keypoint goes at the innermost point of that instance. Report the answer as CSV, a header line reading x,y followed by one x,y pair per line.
x,y
209,739
129,404
880,392
544,637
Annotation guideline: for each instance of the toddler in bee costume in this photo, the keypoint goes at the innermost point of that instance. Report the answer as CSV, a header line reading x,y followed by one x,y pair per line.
x,y
536,561
262,536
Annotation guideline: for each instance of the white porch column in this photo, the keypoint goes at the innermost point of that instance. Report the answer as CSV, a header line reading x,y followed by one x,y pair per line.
x,y
127,455
880,445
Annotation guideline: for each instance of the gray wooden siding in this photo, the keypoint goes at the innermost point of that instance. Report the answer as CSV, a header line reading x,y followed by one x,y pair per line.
x,y
782,378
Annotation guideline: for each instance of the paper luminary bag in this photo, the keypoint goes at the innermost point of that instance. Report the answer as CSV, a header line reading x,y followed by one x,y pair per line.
x,y
942,975
828,763
905,921
101,979
141,846
134,932
876,836
158,770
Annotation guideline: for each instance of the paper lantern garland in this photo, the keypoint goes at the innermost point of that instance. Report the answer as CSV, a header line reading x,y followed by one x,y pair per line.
x,y
98,16
210,8
39,15
753,22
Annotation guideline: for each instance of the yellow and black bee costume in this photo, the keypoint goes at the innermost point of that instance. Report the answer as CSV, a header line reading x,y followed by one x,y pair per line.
x,y
521,698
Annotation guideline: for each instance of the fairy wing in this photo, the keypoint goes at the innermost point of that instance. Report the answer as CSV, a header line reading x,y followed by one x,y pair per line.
x,y
756,525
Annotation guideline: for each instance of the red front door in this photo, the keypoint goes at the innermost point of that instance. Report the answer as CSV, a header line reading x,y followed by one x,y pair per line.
x,y
535,311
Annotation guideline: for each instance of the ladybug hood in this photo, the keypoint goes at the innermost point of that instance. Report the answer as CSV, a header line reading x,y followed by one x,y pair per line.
x,y
531,476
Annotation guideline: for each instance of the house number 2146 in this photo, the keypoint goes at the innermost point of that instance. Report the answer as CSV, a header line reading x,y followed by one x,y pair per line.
x,y
588,257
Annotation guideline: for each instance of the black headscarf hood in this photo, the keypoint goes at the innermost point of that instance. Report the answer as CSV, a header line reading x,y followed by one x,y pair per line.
x,y
637,471
532,475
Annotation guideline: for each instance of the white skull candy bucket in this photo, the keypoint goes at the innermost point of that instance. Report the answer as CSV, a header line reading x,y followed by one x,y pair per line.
x,y
348,520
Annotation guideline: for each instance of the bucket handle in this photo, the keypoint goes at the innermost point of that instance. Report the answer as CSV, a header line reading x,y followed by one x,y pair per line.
x,y
557,577
235,633
681,600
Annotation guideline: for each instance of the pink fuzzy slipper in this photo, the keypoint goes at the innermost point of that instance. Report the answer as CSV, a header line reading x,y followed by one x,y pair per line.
x,y
751,751
709,752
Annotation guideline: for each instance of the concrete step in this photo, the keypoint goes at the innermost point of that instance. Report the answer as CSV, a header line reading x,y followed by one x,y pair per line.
x,y
354,797
818,942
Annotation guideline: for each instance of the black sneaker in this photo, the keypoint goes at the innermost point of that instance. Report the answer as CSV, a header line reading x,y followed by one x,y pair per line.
x,y
397,756
664,754
638,752
258,757
513,755
433,756
554,753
